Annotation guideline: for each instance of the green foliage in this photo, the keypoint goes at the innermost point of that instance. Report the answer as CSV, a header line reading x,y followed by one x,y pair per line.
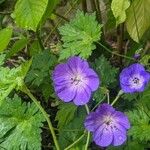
x,y
50,6
18,46
106,72
35,48
140,129
28,13
20,125
145,60
65,114
130,97
119,8
5,35
39,76
12,78
79,35
71,132
140,118
138,20
41,66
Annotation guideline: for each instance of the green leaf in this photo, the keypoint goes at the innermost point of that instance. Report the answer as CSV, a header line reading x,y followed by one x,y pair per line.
x,y
20,125
138,19
79,36
106,72
35,48
65,114
5,35
28,13
72,131
145,60
18,46
119,8
41,66
140,127
12,78
50,7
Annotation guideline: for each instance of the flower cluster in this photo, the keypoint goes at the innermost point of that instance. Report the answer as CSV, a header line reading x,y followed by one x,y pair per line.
x,y
75,81
108,126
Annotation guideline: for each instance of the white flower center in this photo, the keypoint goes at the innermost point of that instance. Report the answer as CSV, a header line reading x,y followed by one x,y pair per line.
x,y
136,81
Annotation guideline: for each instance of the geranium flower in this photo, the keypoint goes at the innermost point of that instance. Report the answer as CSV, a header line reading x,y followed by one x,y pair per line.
x,y
134,78
75,80
109,127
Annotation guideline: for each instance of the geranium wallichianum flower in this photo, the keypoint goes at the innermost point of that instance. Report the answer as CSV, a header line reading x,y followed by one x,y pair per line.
x,y
134,78
75,80
109,127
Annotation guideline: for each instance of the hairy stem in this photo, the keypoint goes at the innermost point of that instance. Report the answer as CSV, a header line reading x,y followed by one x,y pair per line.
x,y
117,97
75,142
46,116
88,133
107,49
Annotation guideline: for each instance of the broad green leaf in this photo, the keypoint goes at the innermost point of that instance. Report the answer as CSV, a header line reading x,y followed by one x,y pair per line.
x,y
35,48
18,46
50,7
79,35
65,114
20,125
138,19
28,13
5,35
145,60
119,8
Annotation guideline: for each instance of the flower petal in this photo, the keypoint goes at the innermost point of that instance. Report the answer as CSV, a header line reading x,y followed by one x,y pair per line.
x,y
105,109
119,137
76,64
65,93
89,123
103,137
93,79
122,119
83,95
61,74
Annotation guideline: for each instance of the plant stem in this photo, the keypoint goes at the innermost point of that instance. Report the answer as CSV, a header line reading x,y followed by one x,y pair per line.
x,y
88,133
117,97
120,36
108,99
98,103
37,103
84,6
39,39
61,16
107,49
75,142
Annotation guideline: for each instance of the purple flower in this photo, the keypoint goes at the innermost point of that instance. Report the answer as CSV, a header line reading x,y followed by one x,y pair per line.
x,y
109,127
75,80
134,78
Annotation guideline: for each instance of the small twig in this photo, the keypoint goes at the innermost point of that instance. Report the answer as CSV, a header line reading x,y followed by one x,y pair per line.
x,y
107,49
64,18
